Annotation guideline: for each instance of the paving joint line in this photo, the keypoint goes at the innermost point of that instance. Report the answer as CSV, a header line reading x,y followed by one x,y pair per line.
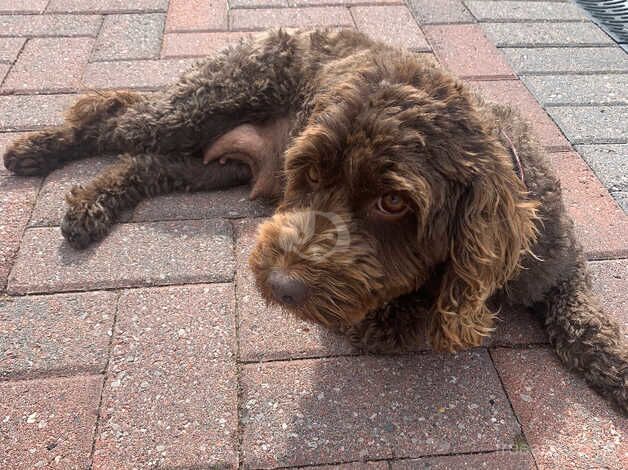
x,y
512,408
104,380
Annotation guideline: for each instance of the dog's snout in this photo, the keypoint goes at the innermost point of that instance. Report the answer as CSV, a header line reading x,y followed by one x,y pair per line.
x,y
287,290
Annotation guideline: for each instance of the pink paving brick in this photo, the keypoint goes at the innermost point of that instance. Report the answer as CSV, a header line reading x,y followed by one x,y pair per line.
x,y
20,6
601,225
52,64
198,44
391,24
10,48
465,51
59,333
197,15
258,19
353,466
106,6
257,3
170,399
515,94
567,425
24,112
517,460
309,3
144,74
267,332
609,279
17,196
146,254
48,423
360,408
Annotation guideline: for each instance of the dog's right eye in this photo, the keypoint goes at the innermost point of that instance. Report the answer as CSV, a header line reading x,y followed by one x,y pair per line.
x,y
312,175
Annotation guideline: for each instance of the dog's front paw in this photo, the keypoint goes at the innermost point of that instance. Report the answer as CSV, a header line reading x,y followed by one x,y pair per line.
x,y
85,221
387,331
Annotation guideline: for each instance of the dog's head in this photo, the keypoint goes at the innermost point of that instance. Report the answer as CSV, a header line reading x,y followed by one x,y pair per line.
x,y
385,187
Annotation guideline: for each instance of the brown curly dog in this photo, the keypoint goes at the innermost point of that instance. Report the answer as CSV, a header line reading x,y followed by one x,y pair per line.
x,y
404,199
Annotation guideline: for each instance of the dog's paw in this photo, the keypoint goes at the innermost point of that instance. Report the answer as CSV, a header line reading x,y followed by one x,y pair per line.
x,y
377,337
31,155
85,222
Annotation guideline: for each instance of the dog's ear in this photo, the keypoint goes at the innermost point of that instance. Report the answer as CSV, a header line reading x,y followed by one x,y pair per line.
x,y
492,225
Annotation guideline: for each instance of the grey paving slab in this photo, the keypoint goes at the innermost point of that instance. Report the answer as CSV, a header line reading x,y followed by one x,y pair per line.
x,y
488,10
49,25
443,11
592,124
28,112
66,333
132,255
610,164
579,89
567,59
130,37
545,34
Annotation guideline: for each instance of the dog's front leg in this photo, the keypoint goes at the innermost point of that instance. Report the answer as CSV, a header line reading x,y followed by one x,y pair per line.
x,y
92,209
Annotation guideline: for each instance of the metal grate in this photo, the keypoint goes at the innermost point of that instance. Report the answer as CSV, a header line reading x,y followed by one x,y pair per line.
x,y
611,16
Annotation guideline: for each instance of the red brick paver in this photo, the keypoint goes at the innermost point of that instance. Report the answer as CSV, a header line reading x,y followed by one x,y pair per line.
x,y
19,6
170,397
17,197
106,6
145,74
157,253
601,225
609,279
567,425
49,64
251,20
464,50
515,94
518,460
48,423
346,409
64,333
391,24
196,15
198,44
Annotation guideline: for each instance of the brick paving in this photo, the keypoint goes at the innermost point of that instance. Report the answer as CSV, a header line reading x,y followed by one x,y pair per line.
x,y
154,349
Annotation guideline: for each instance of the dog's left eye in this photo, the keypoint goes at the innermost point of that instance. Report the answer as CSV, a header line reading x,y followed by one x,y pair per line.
x,y
392,204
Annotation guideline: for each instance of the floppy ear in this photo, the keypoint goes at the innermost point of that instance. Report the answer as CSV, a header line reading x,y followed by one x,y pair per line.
x,y
492,226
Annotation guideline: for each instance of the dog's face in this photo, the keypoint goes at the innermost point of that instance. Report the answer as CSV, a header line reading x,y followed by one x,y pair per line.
x,y
378,189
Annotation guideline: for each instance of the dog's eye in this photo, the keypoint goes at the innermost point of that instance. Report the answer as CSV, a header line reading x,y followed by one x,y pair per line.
x,y
312,174
392,204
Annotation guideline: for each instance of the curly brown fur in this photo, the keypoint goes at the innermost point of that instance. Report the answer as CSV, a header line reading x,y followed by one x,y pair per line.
x,y
400,200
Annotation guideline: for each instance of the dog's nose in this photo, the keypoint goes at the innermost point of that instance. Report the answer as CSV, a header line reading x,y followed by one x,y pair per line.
x,y
287,290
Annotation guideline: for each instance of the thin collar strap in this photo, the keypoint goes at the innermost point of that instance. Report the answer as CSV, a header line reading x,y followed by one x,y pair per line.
x,y
515,157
